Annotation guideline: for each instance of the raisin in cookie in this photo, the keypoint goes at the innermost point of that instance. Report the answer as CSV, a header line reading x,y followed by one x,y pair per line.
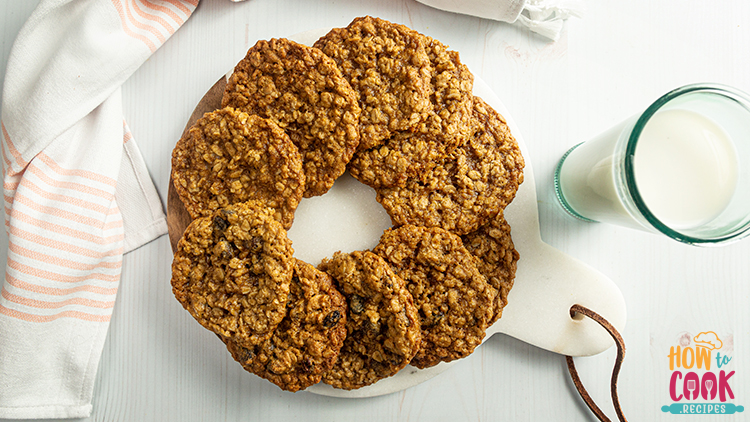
x,y
229,156
232,271
303,91
498,258
470,186
453,297
306,343
383,331
388,66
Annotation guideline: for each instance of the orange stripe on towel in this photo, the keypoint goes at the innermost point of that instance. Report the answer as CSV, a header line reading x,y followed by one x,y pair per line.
x,y
53,291
80,203
60,278
167,11
46,159
40,304
67,215
56,244
67,231
155,18
48,179
124,21
138,24
61,262
179,4
48,318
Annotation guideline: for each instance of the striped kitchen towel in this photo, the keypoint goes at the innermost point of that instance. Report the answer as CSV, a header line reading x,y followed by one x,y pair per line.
x,y
77,193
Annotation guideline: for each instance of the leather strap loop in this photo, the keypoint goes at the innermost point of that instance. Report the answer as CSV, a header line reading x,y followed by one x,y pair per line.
x,y
578,309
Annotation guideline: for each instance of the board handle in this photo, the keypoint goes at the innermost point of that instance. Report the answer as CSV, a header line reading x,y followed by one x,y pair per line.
x,y
550,283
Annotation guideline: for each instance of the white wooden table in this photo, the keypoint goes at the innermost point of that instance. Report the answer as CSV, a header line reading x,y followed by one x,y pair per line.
x,y
159,365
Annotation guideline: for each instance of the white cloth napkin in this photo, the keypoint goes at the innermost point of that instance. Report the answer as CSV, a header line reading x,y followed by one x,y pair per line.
x,y
77,193
544,17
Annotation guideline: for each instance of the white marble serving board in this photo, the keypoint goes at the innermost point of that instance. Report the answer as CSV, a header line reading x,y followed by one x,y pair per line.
x,y
547,283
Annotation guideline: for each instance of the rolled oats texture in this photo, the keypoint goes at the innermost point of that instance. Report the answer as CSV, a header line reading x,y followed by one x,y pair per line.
x,y
229,156
383,331
306,343
303,91
232,270
498,258
388,66
469,187
454,299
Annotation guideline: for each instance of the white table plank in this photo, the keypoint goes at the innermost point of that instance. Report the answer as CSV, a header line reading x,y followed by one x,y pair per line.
x,y
159,365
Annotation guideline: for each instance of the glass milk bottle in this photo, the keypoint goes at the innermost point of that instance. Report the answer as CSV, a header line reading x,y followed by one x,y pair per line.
x,y
680,168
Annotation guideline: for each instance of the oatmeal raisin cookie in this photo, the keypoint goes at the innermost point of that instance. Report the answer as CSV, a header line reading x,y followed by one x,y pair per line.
x,y
306,343
303,91
453,297
232,271
498,258
229,156
469,187
388,66
383,331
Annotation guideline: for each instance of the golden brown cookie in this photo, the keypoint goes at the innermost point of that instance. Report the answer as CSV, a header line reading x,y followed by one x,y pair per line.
x,y
471,185
232,271
306,343
387,64
405,157
410,155
229,156
383,331
452,99
453,297
303,91
498,258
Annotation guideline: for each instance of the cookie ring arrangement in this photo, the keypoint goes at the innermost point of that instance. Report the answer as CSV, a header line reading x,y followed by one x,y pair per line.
x,y
394,108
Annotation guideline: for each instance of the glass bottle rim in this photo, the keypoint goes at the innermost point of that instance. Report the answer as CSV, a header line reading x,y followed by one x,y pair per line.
x,y
632,143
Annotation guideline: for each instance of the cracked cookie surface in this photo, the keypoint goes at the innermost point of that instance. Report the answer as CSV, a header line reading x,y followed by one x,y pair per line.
x,y
409,155
229,156
453,297
498,258
469,187
303,91
232,270
387,64
306,343
405,157
452,84
383,331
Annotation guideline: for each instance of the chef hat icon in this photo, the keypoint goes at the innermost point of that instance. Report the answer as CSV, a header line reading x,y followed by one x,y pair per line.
x,y
708,340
